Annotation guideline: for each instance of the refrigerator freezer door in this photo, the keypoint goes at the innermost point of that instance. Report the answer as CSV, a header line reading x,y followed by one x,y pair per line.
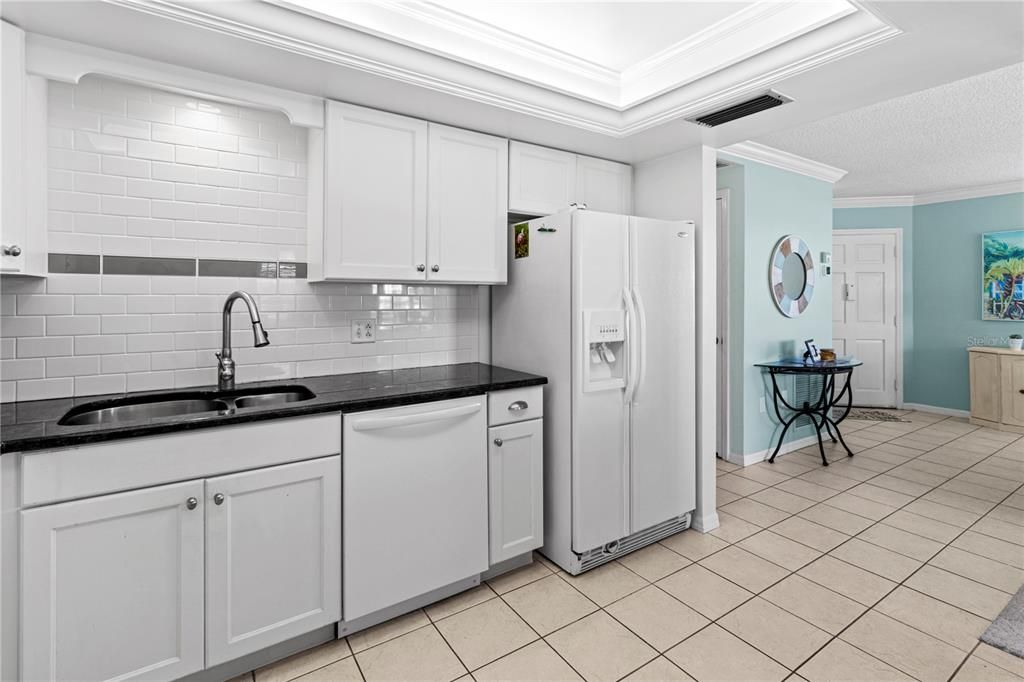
x,y
662,458
600,474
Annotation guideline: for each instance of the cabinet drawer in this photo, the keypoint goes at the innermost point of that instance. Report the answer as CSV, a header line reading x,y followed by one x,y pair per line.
x,y
515,405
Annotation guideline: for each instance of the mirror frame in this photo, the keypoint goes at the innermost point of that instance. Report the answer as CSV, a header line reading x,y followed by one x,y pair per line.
x,y
788,306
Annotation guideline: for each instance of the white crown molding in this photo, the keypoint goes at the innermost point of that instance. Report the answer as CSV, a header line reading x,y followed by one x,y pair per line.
x,y
970,193
275,25
960,194
753,151
68,62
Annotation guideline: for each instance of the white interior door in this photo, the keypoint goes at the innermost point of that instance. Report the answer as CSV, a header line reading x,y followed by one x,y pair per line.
x,y
662,453
865,292
722,322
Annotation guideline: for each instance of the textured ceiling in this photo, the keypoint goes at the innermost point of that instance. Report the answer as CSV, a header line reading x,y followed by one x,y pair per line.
x,y
962,134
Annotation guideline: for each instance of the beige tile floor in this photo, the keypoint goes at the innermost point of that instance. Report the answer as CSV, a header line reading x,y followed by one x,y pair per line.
x,y
886,566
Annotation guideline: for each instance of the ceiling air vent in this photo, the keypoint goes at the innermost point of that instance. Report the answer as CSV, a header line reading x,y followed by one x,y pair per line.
x,y
768,100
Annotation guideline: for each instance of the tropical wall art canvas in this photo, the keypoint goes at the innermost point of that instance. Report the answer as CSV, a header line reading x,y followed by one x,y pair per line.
x,y
1002,267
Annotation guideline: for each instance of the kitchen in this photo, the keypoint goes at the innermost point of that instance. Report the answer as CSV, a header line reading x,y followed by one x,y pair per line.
x,y
318,336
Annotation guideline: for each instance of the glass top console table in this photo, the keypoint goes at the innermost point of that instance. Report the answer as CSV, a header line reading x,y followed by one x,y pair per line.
x,y
820,411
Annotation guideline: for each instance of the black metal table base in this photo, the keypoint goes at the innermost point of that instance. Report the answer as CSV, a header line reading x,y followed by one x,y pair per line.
x,y
820,412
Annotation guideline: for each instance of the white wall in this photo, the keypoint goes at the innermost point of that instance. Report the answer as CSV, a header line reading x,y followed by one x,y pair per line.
x,y
682,186
140,172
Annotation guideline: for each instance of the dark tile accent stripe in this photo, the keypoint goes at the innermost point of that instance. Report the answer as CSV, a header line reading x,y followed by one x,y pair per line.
x,y
286,270
73,263
91,264
146,265
236,268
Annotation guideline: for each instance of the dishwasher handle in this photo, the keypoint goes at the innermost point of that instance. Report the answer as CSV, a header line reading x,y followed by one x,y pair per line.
x,y
377,423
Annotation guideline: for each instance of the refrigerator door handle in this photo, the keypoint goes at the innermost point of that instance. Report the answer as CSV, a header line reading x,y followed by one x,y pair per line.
x,y
641,340
631,333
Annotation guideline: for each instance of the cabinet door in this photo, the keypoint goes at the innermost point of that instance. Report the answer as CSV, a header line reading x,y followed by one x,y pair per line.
x,y
1012,404
273,567
516,486
467,224
541,181
604,185
375,216
112,586
985,386
12,206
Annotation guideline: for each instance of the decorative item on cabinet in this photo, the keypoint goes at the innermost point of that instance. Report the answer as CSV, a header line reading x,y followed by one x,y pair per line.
x,y
1016,341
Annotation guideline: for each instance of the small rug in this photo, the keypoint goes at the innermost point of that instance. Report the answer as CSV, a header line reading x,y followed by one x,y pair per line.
x,y
1007,631
875,415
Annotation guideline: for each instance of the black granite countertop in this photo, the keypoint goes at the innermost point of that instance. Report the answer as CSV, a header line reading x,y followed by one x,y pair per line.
x,y
32,425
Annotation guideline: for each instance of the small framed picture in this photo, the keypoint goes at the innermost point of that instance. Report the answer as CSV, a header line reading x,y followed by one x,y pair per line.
x,y
812,354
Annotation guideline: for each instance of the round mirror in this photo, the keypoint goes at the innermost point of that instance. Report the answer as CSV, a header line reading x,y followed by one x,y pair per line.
x,y
792,276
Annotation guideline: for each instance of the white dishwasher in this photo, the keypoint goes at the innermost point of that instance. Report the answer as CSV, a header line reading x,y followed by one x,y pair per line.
x,y
414,501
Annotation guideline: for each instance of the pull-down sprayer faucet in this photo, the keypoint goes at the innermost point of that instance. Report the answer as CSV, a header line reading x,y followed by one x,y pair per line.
x,y
225,365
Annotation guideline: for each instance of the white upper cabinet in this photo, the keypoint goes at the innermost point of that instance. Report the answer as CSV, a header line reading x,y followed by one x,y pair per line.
x,y
405,201
604,185
112,586
375,217
468,193
22,160
543,181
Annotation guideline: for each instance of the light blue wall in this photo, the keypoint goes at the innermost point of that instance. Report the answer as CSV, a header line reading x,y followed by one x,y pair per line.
x,y
775,203
942,288
947,300
901,217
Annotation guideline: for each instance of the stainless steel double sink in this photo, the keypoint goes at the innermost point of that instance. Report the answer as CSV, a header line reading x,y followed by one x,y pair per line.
x,y
181,405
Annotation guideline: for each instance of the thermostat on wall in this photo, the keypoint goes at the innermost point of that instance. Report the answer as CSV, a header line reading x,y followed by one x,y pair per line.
x,y
826,264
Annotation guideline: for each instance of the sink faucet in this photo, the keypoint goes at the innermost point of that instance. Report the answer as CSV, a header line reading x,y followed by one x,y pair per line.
x,y
225,365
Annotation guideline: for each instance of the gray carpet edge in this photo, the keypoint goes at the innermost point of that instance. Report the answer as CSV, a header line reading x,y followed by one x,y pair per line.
x,y
1006,632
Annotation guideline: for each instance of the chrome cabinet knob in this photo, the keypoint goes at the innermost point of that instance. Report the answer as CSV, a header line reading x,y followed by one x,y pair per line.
x,y
191,503
435,268
498,442
218,498
518,406
421,268
12,250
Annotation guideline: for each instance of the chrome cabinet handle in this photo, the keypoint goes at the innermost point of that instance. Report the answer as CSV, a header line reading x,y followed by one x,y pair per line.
x,y
191,503
498,442
421,268
518,406
435,268
218,498
12,250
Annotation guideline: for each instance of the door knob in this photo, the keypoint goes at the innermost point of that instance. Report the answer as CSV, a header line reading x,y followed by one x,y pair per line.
x,y
435,268
12,250
498,442
218,498
421,268
191,503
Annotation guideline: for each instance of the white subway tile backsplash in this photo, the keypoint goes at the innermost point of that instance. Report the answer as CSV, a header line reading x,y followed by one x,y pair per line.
x,y
136,171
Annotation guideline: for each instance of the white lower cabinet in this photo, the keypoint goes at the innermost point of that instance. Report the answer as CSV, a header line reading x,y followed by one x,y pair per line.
x,y
112,586
516,488
161,582
273,557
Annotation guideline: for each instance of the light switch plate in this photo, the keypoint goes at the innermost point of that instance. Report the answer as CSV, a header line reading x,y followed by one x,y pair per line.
x,y
364,331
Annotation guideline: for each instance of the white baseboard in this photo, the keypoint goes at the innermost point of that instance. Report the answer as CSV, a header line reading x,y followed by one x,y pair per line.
x,y
705,523
761,455
947,411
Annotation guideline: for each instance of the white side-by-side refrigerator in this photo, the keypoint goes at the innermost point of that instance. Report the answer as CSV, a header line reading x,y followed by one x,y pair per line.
x,y
603,305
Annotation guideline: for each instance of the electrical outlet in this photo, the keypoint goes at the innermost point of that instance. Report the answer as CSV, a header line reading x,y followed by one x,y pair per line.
x,y
763,410
364,331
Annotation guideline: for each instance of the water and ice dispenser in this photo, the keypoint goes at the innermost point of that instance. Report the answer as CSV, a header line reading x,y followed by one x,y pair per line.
x,y
604,351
